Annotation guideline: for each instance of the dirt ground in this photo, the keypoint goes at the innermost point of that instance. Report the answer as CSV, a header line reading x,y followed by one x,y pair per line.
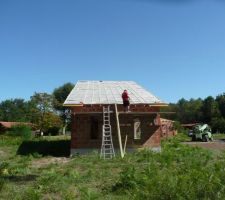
x,y
44,162
214,145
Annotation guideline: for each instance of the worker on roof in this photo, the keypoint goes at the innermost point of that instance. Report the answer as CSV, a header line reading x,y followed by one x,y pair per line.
x,y
126,101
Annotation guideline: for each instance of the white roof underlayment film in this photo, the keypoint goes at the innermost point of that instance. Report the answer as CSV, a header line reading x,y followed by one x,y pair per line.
x,y
109,92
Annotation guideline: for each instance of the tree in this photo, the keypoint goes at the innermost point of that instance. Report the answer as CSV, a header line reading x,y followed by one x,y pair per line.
x,y
60,94
218,125
14,110
210,109
181,110
42,104
221,103
51,123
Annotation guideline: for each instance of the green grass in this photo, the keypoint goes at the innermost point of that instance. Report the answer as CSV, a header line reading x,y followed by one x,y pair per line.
x,y
181,137
178,172
219,136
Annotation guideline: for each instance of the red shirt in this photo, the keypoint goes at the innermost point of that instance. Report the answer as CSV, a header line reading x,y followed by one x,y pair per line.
x,y
125,96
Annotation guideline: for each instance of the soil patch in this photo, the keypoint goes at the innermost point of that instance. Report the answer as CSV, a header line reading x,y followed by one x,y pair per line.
x,y
215,145
44,162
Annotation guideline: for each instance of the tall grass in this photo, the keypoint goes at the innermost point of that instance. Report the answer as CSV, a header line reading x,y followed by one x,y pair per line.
x,y
179,172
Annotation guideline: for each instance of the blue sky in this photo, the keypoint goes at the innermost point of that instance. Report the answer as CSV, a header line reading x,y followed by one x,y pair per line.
x,y
174,48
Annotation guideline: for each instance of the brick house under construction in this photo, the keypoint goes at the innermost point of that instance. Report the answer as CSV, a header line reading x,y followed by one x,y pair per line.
x,y
141,127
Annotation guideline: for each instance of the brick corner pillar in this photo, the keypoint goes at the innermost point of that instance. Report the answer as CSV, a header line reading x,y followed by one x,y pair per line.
x,y
73,143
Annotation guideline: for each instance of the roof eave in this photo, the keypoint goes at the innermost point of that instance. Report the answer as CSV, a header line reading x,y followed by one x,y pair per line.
x,y
150,104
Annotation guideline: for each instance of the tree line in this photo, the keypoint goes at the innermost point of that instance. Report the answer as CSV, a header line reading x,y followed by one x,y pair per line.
x,y
47,111
44,110
209,110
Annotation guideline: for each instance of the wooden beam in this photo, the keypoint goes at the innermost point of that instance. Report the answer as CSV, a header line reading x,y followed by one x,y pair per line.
x,y
118,132
159,105
73,105
88,113
144,113
125,113
125,144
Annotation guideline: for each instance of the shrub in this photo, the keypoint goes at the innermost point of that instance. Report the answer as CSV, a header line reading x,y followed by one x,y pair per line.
x,y
54,130
22,131
3,168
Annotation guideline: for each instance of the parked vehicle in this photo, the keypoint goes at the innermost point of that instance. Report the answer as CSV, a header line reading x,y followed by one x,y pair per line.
x,y
202,133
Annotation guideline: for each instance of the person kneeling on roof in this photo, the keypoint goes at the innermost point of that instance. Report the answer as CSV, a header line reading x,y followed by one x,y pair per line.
x,y
126,101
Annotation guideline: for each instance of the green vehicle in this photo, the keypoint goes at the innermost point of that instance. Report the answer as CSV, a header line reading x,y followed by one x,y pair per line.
x,y
202,133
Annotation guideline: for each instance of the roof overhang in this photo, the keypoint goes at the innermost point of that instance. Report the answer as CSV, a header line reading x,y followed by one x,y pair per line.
x,y
138,104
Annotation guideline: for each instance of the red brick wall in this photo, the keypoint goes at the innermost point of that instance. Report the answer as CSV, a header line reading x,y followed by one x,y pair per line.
x,y
168,129
81,126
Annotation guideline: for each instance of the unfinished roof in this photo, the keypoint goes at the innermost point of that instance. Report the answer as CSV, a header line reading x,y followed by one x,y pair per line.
x,y
109,92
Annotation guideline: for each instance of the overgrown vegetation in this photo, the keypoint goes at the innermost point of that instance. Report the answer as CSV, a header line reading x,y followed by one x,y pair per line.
x,y
21,131
178,172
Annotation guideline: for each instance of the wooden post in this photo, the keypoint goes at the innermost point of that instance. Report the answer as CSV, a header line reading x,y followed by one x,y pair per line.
x,y
118,132
159,123
125,144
